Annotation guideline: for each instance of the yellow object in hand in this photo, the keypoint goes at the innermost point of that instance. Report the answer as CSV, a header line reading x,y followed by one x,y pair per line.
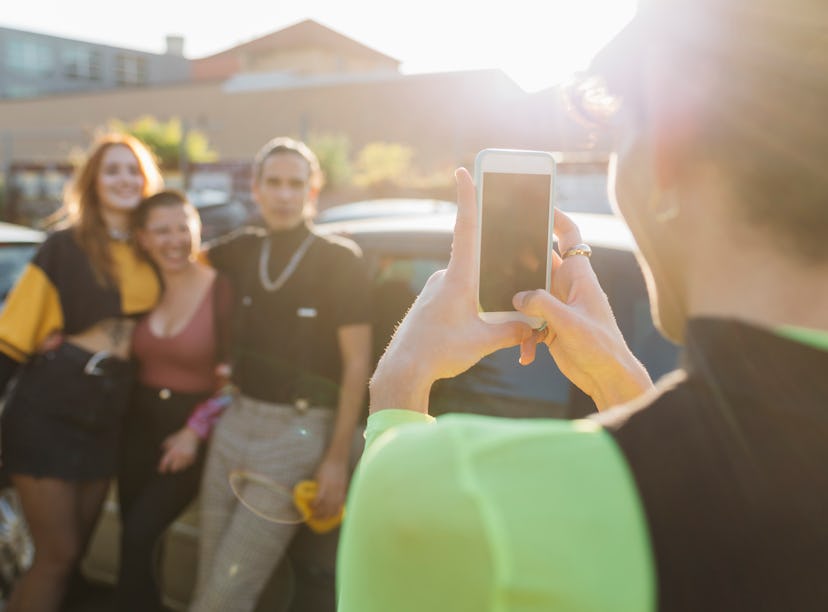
x,y
303,494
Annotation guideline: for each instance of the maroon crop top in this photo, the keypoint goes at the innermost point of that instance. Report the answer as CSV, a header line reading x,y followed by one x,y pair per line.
x,y
186,361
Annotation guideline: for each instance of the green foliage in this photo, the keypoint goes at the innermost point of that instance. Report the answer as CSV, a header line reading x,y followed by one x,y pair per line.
x,y
333,151
380,163
164,137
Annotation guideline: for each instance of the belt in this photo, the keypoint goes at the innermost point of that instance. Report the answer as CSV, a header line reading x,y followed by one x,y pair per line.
x,y
300,405
101,363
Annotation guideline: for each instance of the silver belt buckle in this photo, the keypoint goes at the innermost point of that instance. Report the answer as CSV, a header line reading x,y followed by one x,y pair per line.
x,y
92,367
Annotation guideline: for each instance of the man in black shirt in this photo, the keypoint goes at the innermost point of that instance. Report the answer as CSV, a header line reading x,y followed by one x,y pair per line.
x,y
301,362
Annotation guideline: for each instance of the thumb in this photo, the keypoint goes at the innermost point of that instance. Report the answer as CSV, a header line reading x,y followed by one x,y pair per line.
x,y
542,304
505,335
164,463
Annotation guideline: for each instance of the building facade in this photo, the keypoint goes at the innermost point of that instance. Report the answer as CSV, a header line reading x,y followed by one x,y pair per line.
x,y
305,81
33,65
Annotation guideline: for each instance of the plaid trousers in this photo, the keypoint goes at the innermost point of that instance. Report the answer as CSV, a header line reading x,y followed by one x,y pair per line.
x,y
238,550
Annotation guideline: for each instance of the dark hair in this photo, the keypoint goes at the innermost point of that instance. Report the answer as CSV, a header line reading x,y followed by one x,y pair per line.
x,y
283,144
754,72
162,199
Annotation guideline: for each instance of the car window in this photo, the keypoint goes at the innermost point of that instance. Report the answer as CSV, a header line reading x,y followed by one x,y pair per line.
x,y
497,384
13,258
397,282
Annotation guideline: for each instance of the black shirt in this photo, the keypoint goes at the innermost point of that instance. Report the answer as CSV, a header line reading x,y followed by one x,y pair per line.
x,y
730,462
285,340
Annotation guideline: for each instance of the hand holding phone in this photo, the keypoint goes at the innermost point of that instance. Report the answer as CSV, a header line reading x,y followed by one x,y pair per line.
x,y
515,203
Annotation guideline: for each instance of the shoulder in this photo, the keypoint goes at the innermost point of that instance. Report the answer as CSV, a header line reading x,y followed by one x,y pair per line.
x,y
223,288
60,239
58,246
238,242
541,486
338,245
241,236
674,395
461,432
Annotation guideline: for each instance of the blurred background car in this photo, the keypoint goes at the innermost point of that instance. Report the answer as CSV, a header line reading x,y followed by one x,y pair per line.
x,y
220,212
17,246
403,250
384,207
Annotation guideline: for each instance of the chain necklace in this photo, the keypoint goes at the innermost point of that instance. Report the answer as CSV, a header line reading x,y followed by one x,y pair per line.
x,y
290,268
118,235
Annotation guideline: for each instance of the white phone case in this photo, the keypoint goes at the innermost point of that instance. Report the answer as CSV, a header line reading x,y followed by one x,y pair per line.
x,y
516,162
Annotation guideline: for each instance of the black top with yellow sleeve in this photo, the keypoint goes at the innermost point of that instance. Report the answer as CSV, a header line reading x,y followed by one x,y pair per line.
x,y
58,291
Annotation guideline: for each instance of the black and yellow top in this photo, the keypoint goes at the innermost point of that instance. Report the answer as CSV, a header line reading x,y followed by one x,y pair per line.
x,y
58,291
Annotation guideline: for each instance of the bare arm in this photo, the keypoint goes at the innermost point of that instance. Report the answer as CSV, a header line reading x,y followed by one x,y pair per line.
x,y
333,471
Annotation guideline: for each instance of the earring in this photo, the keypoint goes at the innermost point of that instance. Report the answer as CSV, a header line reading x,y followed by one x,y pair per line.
x,y
664,205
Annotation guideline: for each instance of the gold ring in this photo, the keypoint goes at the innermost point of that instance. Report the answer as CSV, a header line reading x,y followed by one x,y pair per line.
x,y
578,249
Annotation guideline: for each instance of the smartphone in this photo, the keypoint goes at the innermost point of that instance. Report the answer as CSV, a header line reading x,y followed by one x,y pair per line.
x,y
515,204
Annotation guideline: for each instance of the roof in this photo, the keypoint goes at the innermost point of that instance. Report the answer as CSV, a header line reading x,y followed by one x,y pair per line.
x,y
598,230
304,33
16,234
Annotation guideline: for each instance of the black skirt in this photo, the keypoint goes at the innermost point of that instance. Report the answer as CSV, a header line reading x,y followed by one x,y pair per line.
x,y
63,419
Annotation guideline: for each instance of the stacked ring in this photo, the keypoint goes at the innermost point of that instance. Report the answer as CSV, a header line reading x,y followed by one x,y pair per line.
x,y
578,249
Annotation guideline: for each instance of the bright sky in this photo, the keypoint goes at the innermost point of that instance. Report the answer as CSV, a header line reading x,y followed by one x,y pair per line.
x,y
536,42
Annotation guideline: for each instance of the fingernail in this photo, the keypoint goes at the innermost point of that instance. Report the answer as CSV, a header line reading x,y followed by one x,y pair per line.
x,y
519,299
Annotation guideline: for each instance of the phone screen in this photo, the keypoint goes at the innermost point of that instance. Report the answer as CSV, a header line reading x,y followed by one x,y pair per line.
x,y
513,236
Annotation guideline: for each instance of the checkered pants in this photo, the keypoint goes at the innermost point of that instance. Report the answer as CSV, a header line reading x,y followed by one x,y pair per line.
x,y
239,550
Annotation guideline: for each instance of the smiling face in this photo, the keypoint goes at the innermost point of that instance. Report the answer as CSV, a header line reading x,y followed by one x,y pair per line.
x,y
283,190
120,182
169,237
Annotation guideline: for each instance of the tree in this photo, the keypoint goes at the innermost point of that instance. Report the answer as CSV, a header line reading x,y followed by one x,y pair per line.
x,y
383,163
333,151
164,138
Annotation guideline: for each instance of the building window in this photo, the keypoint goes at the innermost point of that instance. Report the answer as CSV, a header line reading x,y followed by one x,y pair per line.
x,y
131,70
82,63
21,91
29,56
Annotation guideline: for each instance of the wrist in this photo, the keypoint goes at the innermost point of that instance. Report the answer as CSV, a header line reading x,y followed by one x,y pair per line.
x,y
196,431
401,384
628,381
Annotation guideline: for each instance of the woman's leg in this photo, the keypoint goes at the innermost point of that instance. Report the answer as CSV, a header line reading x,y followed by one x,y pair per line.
x,y
164,497
91,497
52,508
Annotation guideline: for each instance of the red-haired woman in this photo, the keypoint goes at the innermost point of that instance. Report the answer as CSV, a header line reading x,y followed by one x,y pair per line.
x,y
79,296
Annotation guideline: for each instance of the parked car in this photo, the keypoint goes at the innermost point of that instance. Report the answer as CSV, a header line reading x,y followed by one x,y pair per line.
x,y
17,246
220,212
402,251
384,207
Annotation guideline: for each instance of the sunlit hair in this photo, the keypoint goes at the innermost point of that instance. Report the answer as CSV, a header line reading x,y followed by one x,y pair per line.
x,y
82,205
166,199
283,144
751,74
589,101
